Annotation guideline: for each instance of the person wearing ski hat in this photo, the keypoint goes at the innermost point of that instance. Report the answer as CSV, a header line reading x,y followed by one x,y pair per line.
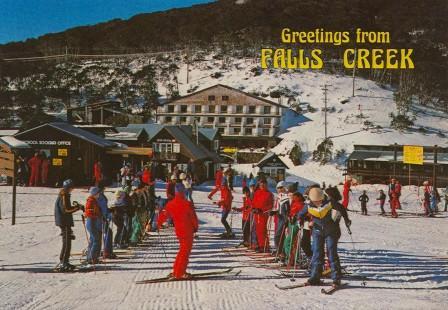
x,y
118,212
262,203
246,211
226,205
185,221
186,181
382,200
280,213
63,217
170,187
92,214
325,230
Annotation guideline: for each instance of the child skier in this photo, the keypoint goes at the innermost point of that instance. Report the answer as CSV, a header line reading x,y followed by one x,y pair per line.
x,y
280,211
325,231
185,221
226,205
382,200
245,209
364,200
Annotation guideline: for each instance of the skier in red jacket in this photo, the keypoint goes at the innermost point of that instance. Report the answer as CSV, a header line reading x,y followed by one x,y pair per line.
x,y
97,172
226,205
262,203
346,191
218,181
147,177
185,221
246,210
35,163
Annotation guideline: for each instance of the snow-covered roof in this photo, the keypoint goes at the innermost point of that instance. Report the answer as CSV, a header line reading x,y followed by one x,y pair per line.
x,y
14,143
8,132
126,136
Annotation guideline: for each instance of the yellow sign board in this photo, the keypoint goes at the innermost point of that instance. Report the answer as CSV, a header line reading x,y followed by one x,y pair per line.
x,y
413,154
62,152
57,161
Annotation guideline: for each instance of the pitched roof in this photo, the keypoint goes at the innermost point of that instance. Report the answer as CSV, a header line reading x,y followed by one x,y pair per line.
x,y
76,132
151,129
270,156
193,150
208,133
14,143
230,88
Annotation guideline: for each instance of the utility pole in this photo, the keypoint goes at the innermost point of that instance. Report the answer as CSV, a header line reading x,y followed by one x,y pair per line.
x,y
354,73
325,89
188,64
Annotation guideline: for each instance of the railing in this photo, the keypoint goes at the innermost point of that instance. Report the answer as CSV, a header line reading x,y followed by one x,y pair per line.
x,y
166,156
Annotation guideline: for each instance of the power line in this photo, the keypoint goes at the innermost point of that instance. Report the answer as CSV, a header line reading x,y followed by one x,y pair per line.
x,y
67,55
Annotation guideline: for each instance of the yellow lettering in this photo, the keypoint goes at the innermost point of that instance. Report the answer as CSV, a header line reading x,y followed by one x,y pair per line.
x,y
266,53
377,62
391,62
286,35
317,62
363,62
406,58
279,58
347,63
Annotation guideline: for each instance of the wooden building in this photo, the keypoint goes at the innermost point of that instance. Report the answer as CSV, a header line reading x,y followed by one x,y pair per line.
x,y
99,113
378,163
271,165
72,151
243,120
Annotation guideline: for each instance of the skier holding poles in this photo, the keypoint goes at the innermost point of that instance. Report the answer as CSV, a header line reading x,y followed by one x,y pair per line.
x,y
63,211
226,204
246,210
185,221
280,211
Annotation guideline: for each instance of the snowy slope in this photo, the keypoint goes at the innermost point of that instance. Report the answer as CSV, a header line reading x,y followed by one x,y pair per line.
x,y
405,260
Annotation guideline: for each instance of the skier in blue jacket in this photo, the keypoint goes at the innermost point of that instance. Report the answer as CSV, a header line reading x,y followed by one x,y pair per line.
x,y
326,230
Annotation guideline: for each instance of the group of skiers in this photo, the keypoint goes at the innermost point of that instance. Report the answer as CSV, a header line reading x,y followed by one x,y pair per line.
x,y
34,171
298,218
132,212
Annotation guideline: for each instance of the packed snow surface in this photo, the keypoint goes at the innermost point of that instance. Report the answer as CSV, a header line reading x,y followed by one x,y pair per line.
x,y
405,261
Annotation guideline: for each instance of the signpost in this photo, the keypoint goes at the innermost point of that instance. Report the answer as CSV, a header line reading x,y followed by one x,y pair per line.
x,y
8,148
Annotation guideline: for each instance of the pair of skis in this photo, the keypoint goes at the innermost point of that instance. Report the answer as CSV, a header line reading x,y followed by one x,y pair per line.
x,y
328,291
193,276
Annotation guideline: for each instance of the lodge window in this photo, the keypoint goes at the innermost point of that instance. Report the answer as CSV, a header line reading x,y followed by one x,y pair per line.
x,y
211,109
168,119
265,132
183,120
225,98
211,98
238,120
249,121
198,108
222,120
183,108
163,147
252,109
267,110
248,131
237,131
221,130
170,108
223,109
267,121
210,119
239,109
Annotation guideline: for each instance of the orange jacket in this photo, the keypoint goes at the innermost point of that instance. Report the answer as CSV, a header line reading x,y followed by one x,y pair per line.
x,y
92,209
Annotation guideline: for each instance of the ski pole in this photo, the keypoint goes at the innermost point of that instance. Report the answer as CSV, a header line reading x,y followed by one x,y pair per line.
x,y
280,242
296,256
161,245
266,239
